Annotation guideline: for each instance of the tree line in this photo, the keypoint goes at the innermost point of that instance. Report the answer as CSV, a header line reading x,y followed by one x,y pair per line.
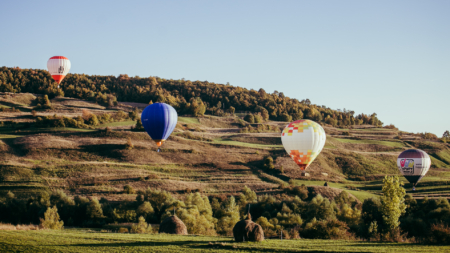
x,y
394,216
187,97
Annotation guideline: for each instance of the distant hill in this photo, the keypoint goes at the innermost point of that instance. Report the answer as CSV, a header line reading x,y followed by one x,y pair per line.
x,y
187,97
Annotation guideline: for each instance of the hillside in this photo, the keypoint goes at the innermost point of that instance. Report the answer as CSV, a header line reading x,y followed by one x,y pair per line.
x,y
211,154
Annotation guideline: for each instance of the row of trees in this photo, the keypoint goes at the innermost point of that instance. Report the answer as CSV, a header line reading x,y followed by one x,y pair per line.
x,y
295,212
187,97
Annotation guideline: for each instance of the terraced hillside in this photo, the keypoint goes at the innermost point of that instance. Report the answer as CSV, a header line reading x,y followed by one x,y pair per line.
x,y
209,154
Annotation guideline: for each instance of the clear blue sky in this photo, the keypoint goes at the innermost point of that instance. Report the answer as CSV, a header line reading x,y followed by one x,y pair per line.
x,y
388,57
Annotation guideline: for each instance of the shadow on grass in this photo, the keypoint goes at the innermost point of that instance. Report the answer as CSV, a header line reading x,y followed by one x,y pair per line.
x,y
192,245
17,106
105,150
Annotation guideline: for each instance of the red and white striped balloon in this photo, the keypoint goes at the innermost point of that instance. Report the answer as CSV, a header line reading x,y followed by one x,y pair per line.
x,y
58,66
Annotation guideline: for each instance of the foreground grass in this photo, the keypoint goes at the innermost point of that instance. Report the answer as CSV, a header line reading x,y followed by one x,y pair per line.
x,y
74,240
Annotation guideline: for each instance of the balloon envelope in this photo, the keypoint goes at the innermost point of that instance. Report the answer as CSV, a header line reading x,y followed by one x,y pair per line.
x,y
159,120
303,140
58,66
413,164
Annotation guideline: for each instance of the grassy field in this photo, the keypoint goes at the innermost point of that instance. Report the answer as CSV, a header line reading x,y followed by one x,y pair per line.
x,y
206,153
188,120
79,240
117,124
226,141
361,195
385,143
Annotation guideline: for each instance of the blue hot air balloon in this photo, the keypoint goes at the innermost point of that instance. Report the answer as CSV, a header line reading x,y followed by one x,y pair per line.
x,y
159,120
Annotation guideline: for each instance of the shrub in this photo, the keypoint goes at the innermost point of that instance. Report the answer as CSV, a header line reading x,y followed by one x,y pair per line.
x,y
123,230
268,163
142,227
439,234
129,144
145,209
51,220
249,118
286,234
138,125
128,189
130,215
326,229
152,176
300,191
94,209
43,103
294,234
258,118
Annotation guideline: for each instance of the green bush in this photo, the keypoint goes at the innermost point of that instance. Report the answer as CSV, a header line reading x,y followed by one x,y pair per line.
x,y
128,189
51,220
326,229
249,118
142,227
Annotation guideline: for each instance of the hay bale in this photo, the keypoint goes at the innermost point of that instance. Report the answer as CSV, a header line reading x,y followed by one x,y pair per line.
x,y
247,230
173,225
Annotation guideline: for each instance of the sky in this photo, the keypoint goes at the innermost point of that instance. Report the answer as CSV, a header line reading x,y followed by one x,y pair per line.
x,y
388,57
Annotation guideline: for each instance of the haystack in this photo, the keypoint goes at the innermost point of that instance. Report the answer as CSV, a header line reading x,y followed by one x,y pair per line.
x,y
173,225
247,230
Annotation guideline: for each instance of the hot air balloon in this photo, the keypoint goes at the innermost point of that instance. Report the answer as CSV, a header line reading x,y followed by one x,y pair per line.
x,y
159,120
413,164
303,140
58,66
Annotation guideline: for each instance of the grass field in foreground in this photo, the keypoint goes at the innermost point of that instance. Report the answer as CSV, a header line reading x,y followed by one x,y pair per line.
x,y
76,240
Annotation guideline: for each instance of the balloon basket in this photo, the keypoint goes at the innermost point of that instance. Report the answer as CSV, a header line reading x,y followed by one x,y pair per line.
x,y
304,174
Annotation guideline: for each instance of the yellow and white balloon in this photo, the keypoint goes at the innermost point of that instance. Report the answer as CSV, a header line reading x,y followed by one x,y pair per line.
x,y
303,140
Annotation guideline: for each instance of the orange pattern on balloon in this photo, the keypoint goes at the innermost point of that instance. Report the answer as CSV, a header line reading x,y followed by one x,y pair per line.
x,y
299,126
300,158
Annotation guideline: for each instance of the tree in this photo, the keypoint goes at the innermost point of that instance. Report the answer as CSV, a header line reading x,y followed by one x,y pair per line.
x,y
94,209
145,209
268,163
227,216
142,227
139,125
246,197
47,103
128,189
51,220
197,215
446,136
392,202
231,110
249,118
